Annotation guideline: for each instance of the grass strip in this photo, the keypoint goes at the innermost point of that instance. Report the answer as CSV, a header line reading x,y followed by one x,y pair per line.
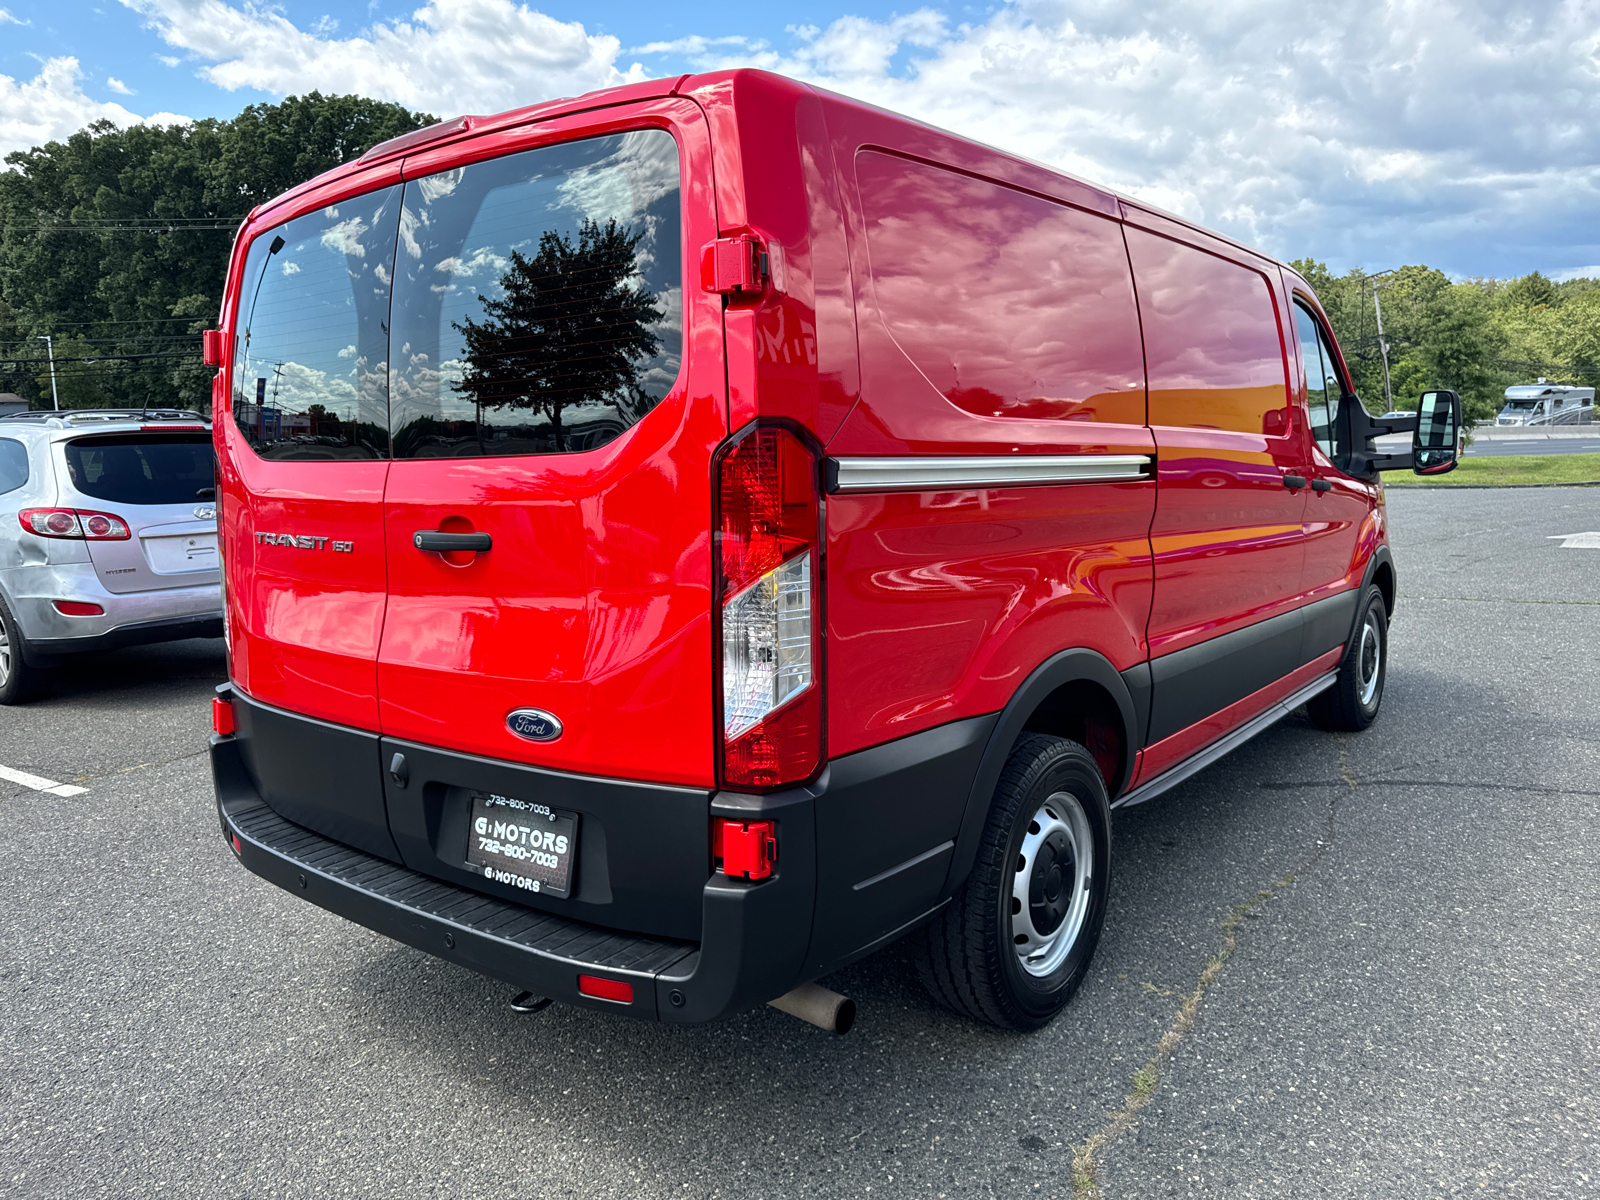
x,y
1508,470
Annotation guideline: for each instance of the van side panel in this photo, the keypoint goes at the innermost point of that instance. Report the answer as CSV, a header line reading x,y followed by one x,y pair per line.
x,y
993,322
792,353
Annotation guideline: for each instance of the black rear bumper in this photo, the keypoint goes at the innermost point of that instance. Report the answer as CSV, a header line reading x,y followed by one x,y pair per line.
x,y
50,651
888,817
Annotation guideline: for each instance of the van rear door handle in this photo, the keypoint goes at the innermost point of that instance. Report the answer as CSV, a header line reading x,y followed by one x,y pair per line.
x,y
438,540
1321,485
1294,481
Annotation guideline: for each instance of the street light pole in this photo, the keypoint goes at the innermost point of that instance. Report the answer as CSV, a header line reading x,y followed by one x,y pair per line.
x,y
1383,351
51,350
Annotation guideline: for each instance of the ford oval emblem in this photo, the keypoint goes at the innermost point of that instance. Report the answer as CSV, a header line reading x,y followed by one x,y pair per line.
x,y
534,724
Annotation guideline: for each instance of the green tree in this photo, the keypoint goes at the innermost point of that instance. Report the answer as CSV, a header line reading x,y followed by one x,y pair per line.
x,y
117,240
572,328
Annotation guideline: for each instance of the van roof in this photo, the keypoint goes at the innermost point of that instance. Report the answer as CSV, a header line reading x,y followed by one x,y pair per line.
x,y
105,420
710,86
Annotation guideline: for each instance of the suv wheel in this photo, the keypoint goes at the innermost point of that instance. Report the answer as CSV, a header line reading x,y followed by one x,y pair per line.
x,y
1015,942
1352,703
18,680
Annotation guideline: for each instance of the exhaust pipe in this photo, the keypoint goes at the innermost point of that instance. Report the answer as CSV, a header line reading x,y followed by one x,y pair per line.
x,y
818,1006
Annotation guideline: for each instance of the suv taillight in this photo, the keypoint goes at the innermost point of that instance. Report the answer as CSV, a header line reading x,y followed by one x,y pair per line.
x,y
768,605
74,523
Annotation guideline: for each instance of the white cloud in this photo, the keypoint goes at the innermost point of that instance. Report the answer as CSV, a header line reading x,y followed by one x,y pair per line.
x,y
167,60
7,19
52,105
117,86
452,56
1465,133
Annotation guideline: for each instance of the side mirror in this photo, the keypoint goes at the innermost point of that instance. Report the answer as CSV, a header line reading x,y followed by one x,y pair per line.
x,y
1436,442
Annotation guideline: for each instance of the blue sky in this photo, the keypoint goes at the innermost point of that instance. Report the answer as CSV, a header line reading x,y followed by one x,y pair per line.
x,y
1366,133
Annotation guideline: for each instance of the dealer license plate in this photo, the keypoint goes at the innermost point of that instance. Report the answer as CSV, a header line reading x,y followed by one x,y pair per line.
x,y
522,844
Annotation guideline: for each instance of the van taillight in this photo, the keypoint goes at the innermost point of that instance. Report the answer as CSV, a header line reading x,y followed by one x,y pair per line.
x,y
769,586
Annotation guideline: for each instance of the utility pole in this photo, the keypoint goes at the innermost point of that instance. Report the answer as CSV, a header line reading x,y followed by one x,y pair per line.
x,y
1383,350
51,351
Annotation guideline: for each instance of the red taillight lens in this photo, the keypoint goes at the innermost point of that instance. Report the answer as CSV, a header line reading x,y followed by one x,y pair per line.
x,y
74,523
768,572
616,990
221,716
745,849
77,608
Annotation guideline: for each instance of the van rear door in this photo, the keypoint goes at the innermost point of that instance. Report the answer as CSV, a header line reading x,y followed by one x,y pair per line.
x,y
304,458
547,513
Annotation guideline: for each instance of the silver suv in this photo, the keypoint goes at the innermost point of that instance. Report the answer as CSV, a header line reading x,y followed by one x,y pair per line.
x,y
108,536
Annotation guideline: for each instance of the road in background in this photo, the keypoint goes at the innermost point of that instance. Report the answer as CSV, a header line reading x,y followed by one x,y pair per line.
x,y
1399,925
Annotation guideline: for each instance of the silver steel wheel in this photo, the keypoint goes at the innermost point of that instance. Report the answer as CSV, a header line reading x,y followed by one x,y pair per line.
x,y
1050,884
1369,659
5,655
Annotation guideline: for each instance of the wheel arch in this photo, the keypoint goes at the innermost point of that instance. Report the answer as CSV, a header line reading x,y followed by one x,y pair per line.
x,y
1075,694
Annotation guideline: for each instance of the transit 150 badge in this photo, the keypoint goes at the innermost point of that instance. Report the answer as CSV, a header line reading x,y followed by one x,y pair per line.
x,y
534,724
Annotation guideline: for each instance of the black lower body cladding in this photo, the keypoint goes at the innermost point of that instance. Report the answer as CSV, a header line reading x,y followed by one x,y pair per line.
x,y
862,855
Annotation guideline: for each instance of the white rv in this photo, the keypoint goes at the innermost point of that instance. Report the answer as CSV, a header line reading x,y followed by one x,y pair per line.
x,y
1547,404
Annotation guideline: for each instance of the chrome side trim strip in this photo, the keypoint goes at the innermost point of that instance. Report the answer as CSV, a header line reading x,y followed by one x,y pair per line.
x,y
907,865
1202,759
929,473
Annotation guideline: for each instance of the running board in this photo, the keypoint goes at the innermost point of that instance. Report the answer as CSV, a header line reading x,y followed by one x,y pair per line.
x,y
1199,762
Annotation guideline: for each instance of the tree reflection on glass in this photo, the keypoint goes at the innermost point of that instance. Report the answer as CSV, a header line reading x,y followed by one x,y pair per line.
x,y
573,328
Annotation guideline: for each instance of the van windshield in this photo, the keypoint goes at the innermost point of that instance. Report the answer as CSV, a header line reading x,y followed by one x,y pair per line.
x,y
162,468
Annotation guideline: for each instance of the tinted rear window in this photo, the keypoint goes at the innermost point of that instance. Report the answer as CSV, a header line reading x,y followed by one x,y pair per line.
x,y
537,299
310,376
13,465
162,468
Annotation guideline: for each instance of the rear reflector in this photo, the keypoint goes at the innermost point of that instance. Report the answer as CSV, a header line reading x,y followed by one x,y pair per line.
x,y
606,989
238,846
221,716
77,608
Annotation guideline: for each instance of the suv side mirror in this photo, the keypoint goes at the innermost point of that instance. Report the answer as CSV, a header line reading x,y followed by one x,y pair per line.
x,y
1436,443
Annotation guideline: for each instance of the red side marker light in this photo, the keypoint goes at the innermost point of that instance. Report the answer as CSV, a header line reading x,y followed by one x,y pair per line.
x,y
616,990
221,717
748,849
77,608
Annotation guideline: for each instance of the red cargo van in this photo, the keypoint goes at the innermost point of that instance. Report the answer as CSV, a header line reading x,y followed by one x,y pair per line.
x,y
681,539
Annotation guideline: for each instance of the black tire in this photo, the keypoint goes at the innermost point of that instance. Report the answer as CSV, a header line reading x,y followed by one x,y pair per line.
x,y
1352,703
19,681
967,955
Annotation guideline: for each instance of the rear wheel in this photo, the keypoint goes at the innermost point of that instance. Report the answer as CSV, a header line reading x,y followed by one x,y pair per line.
x,y
1352,703
18,680
1015,942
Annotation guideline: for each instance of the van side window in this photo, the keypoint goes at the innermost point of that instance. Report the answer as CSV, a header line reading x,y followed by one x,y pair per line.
x,y
310,377
538,299
1009,304
1212,347
13,465
1323,389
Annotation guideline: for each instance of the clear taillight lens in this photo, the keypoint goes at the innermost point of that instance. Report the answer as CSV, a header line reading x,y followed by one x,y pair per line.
x,y
768,607
766,645
74,523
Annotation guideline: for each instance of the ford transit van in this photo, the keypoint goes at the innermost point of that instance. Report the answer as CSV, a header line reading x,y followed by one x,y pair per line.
x,y
681,539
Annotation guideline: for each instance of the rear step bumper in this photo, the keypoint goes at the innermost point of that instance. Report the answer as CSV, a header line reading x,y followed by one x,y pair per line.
x,y
754,934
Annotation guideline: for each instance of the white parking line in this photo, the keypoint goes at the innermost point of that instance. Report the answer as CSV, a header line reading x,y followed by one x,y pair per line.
x,y
40,785
1576,541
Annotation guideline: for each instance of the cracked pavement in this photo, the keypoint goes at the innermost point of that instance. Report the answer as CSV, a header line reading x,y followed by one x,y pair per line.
x,y
1415,1014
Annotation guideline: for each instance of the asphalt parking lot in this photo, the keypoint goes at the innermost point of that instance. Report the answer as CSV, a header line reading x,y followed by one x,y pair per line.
x,y
1370,961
